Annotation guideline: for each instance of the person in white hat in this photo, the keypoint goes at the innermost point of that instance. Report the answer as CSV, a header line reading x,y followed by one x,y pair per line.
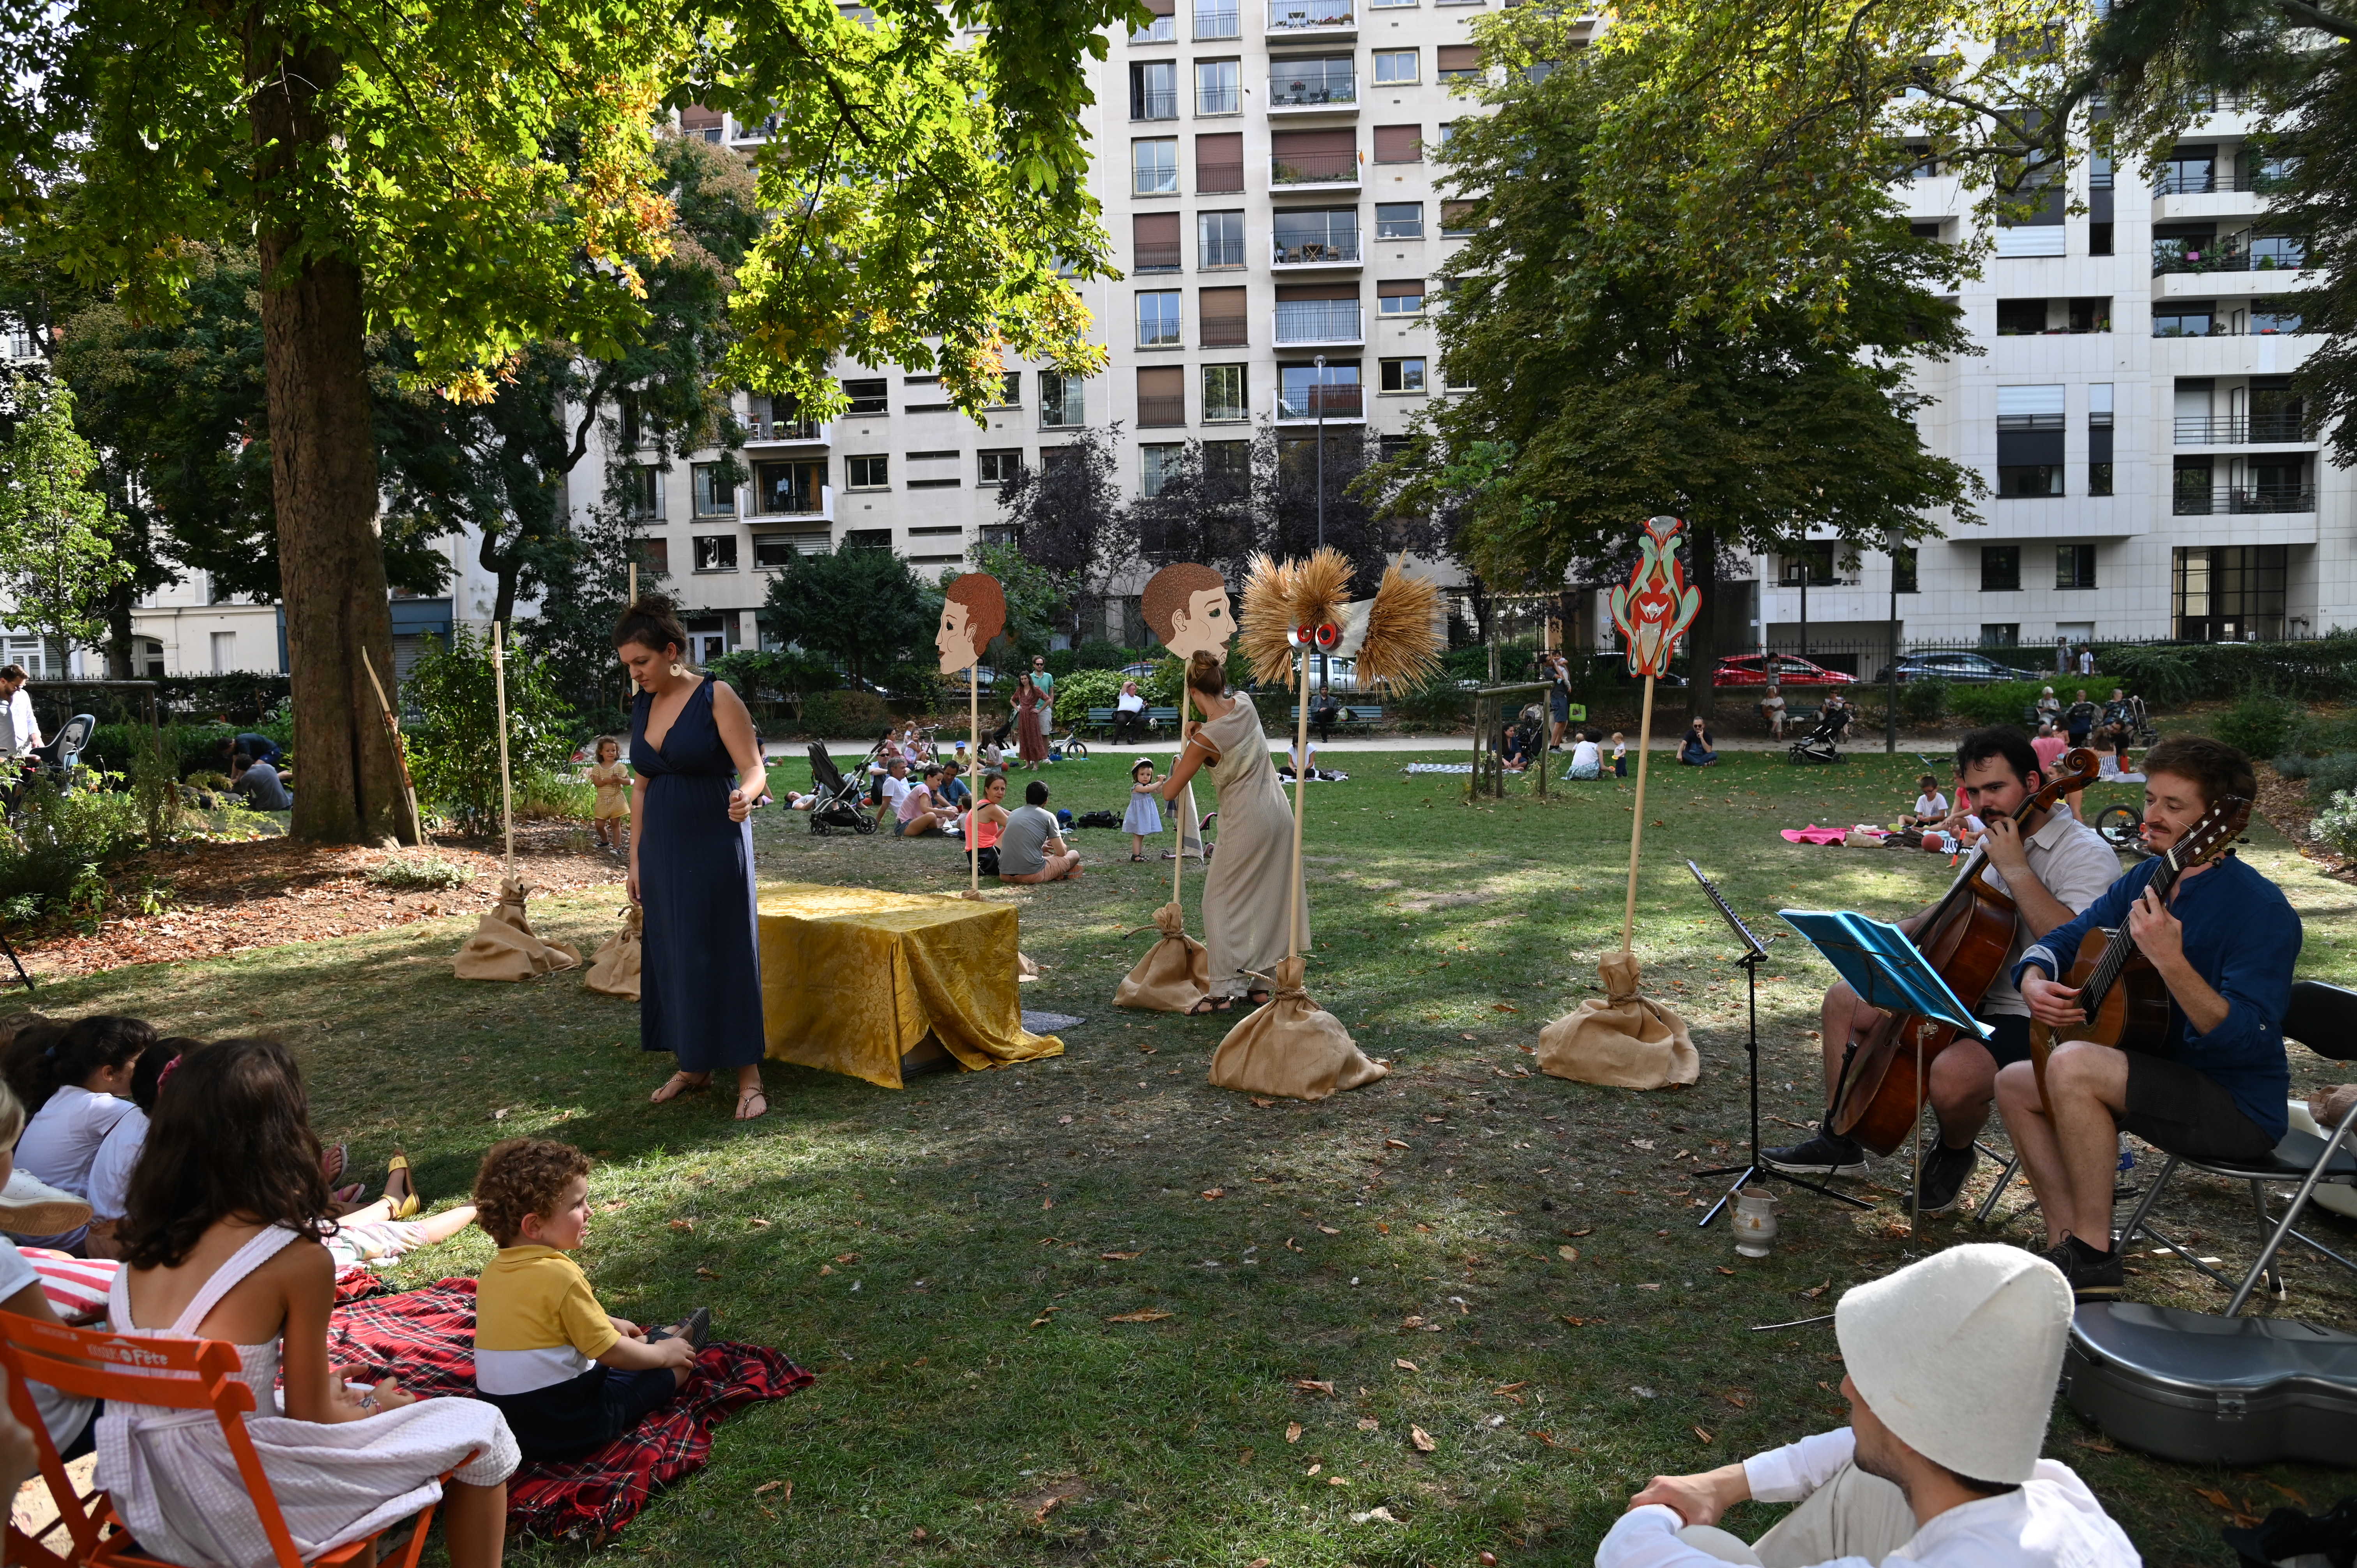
x,y
1951,1367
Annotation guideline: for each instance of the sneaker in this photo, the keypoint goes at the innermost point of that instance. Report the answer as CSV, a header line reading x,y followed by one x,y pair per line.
x,y
1827,1154
2093,1276
1944,1170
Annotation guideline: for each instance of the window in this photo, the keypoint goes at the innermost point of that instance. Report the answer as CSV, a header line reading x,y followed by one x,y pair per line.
x,y
1156,466
1161,27
1220,164
654,556
2229,593
1902,570
2099,239
1223,394
1314,157
1218,19
2074,565
1222,324
1399,220
1388,5
1810,562
772,552
1457,219
1307,83
705,124
1063,400
1161,397
2184,318
2091,313
715,551
1219,241
1318,313
1400,297
2001,634
1399,144
1316,236
997,467
1447,135
867,397
1459,62
1302,392
2029,442
641,492
1154,243
1227,462
632,429
2020,318
2000,568
1158,318
715,495
2266,322
1154,168
1154,89
1403,375
1396,67
868,473
2099,438
1219,87
867,539
1010,389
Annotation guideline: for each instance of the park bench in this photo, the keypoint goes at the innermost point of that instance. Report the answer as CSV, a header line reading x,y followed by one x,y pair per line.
x,y
1101,719
1354,716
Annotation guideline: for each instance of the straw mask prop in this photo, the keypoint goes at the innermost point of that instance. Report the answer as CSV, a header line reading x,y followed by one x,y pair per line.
x,y
1188,609
1624,1040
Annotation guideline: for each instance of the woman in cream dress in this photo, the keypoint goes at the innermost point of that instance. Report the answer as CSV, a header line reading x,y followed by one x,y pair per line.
x,y
1246,923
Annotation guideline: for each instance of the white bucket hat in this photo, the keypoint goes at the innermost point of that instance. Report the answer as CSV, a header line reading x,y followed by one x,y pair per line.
x,y
1959,1355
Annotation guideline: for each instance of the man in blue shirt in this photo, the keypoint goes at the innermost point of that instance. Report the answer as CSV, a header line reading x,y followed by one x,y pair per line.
x,y
2224,940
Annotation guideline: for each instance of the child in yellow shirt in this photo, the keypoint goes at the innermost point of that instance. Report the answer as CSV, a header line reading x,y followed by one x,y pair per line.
x,y
568,1377
611,775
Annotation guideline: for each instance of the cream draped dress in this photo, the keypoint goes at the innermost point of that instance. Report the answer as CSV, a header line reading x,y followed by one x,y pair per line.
x,y
1245,918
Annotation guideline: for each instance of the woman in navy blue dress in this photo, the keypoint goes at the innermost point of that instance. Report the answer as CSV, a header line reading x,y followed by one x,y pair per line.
x,y
696,770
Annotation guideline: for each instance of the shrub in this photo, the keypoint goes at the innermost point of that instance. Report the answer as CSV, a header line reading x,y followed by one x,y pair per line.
x,y
1085,689
544,793
2335,827
786,677
1992,702
2291,765
1923,701
1097,654
2258,725
844,715
454,748
420,873
1435,707
55,858
2332,774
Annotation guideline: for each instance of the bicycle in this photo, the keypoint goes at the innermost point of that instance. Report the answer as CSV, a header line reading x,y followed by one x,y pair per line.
x,y
2122,827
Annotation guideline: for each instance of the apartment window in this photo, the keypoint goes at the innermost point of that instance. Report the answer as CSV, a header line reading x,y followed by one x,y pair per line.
x,y
1161,397
1223,323
2277,412
1316,236
1307,83
1396,67
1063,402
2099,438
1154,243
2090,314
1157,462
2074,565
2000,568
1403,375
1399,221
1391,5
1162,28
704,125
2029,442
654,556
1224,400
1158,318
1305,391
867,539
2184,318
1218,19
867,396
1010,389
1399,144
1220,164
1457,219
642,494
1459,62
1902,570
1810,562
224,654
1318,313
1219,241
1154,89
2001,634
1154,168
632,434
1400,297
1227,462
773,551
997,467
1447,135
715,551
2229,593
2020,318
2099,239
716,495
1219,87
1314,157
2266,322
868,473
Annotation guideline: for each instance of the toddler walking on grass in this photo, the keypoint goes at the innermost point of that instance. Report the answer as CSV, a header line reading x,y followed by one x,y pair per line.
x,y
568,1377
1144,817
612,777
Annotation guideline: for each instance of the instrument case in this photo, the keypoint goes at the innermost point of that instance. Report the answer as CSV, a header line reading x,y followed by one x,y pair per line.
x,y
2205,1389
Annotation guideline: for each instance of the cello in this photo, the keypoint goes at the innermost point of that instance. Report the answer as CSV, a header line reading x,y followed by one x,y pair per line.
x,y
1967,937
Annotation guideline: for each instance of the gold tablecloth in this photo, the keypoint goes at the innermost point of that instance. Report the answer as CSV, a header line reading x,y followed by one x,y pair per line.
x,y
852,980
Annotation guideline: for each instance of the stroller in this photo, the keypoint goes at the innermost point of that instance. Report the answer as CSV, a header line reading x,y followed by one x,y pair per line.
x,y
838,808
1822,744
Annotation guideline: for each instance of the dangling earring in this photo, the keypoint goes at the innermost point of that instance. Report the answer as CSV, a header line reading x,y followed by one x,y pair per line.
x,y
677,670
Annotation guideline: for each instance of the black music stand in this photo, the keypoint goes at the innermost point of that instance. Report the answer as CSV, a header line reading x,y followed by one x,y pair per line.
x,y
1755,953
19,963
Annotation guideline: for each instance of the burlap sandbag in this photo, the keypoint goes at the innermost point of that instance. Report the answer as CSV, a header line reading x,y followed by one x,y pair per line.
x,y
1623,1041
614,967
1176,972
504,947
1292,1048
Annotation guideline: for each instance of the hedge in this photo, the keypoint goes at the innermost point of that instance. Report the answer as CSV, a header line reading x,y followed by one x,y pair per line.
x,y
2170,674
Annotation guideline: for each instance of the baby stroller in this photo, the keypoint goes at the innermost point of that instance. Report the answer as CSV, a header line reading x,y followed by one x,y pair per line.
x,y
838,808
1822,744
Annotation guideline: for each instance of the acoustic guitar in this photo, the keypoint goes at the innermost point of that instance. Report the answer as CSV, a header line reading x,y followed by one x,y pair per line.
x,y
2126,1003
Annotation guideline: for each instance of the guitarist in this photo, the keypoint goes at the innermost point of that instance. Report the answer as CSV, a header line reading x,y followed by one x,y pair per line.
x,y
2224,942
2052,866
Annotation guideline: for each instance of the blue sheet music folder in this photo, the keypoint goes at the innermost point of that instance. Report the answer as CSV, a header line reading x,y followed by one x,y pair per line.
x,y
1882,966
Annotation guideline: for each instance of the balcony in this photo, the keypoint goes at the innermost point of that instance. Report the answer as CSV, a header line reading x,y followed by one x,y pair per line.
x,y
1332,402
1219,19
2238,252
1161,412
1218,179
2207,179
786,432
1214,100
1312,18
1314,92
2241,430
1306,323
1314,170
1336,251
1159,257
2243,500
794,506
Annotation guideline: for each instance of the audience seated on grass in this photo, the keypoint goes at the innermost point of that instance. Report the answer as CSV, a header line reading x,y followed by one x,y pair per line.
x,y
1031,845
568,1377
118,1156
988,819
1697,749
1586,756
223,1239
68,1418
74,1080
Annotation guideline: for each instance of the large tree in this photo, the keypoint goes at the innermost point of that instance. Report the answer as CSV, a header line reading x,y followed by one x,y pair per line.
x,y
1066,517
1203,510
56,534
444,171
858,603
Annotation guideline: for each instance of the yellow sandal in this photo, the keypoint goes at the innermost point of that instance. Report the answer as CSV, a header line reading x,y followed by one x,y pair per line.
x,y
409,1206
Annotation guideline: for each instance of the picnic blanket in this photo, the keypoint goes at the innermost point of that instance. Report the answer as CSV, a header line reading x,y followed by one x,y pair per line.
x,y
1864,833
426,1339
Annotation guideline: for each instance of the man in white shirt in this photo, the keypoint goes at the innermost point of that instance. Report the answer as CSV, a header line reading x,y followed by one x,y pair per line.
x,y
20,732
1128,715
1952,1365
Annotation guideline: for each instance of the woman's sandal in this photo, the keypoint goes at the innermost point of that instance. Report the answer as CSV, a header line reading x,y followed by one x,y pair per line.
x,y
680,1083
1137,860
1209,1004
410,1203
746,1097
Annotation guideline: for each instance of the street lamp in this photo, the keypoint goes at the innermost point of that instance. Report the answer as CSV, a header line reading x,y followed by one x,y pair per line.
x,y
1890,703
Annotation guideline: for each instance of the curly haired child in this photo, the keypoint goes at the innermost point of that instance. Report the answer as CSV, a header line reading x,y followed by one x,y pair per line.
x,y
611,775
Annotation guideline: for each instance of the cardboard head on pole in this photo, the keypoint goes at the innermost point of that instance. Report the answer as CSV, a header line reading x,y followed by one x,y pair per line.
x,y
1657,604
1187,608
973,611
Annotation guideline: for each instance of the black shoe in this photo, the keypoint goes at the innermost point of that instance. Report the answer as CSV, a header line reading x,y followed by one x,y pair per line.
x,y
1944,1170
2093,1276
1827,1154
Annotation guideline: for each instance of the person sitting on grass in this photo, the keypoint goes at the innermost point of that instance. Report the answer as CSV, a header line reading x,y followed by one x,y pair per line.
x,y
1696,749
1930,805
1586,756
118,1152
568,1377
1950,1365
915,813
1031,845
75,1079
260,784
989,818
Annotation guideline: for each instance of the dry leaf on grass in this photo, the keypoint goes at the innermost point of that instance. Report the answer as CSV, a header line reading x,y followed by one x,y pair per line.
x,y
706,1274
1121,1257
1405,1366
846,1256
1393,1143
2096,1444
1337,1481
773,1486
1045,1316
1151,1314
1329,1230
1313,1386
1045,1500
758,1224
1293,1432
682,1225
1264,1104
1706,1437
1367,1423
1215,1192
1383,1514
1568,1254
1421,1439
1046,1203
1510,1387
1821,1290
1583,1231
825,1268
1545,1437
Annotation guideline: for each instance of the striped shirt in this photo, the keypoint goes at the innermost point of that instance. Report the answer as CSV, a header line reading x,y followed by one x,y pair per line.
x,y
537,1323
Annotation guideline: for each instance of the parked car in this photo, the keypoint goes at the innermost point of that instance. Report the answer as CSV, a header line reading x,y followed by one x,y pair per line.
x,y
1977,669
1786,668
1139,671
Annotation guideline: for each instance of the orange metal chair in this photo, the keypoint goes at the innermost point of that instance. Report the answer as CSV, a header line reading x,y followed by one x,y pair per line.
x,y
178,1374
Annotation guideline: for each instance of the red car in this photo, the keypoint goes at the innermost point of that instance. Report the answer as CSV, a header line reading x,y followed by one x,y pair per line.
x,y
1785,668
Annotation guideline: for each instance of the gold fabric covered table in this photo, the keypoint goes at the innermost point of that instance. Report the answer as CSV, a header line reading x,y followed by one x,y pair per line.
x,y
853,980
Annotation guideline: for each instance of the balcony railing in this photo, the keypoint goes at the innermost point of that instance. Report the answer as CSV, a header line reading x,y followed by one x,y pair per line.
x,y
1294,16
784,430
1302,321
2230,253
2199,180
1219,100
1160,30
1153,104
2273,324
1339,249
1161,412
1225,332
2237,429
1219,21
1314,168
1159,257
1339,89
799,501
1218,179
2235,499
1330,402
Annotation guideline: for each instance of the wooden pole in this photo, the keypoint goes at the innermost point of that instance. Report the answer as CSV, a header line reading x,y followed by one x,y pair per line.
x,y
1637,824
1179,806
974,780
400,752
634,583
1300,796
507,789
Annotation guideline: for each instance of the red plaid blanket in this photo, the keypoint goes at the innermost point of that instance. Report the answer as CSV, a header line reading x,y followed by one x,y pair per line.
x,y
426,1339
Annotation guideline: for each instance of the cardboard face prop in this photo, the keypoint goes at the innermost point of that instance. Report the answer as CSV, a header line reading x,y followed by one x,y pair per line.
x,y
1653,608
1188,609
973,611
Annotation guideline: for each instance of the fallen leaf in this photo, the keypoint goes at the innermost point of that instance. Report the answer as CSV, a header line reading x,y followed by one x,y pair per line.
x,y
1813,1295
2214,1497
1545,1437
706,1274
1045,1316
1312,1386
1121,1257
1406,1365
1706,1437
758,1224
1724,1269
1313,1469
1215,1192
1510,1387
1503,1008
1329,1230
1421,1439
1046,1203
1580,1322
2096,1444
1583,1231
1383,1514
1151,1314
1382,1228
1259,1562
1656,1285
1264,1104
846,1256
1041,1503
1289,1246
682,1225
1063,1120
1243,1456
919,1534
1567,1253
769,1487
2287,1492
1367,1423
1293,1432
825,1268
1413,1322
1337,1481
1393,1143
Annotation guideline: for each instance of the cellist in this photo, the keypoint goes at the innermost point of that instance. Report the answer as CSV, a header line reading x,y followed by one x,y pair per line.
x,y
2052,866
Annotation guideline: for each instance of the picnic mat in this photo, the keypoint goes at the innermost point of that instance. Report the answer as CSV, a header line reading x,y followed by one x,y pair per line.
x,y
853,980
426,1338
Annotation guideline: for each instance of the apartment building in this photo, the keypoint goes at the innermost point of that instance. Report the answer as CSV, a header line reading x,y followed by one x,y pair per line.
x,y
2132,412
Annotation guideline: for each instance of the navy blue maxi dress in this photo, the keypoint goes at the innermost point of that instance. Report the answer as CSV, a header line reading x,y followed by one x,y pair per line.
x,y
700,969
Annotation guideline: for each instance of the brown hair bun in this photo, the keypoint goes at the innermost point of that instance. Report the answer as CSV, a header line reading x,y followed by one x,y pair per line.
x,y
653,622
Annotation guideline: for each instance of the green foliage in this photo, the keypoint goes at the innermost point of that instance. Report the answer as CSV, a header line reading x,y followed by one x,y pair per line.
x,y
155,774
454,746
860,605
2323,669
55,858
1924,701
2332,774
845,714
421,870
1085,689
1037,602
1160,688
1439,707
1099,654
56,535
2258,725
2293,764
1985,703
786,677
2335,827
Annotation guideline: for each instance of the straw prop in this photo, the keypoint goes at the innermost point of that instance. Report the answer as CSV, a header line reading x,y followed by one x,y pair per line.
x,y
1401,645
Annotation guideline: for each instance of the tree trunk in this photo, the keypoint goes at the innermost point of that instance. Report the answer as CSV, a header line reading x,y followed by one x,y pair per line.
x,y
323,480
119,600
1702,637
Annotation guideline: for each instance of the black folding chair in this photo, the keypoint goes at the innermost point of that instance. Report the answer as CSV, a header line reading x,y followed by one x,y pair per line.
x,y
2323,1018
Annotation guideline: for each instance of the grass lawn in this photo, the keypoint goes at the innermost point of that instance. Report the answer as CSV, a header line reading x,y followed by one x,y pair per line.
x,y
1506,1261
